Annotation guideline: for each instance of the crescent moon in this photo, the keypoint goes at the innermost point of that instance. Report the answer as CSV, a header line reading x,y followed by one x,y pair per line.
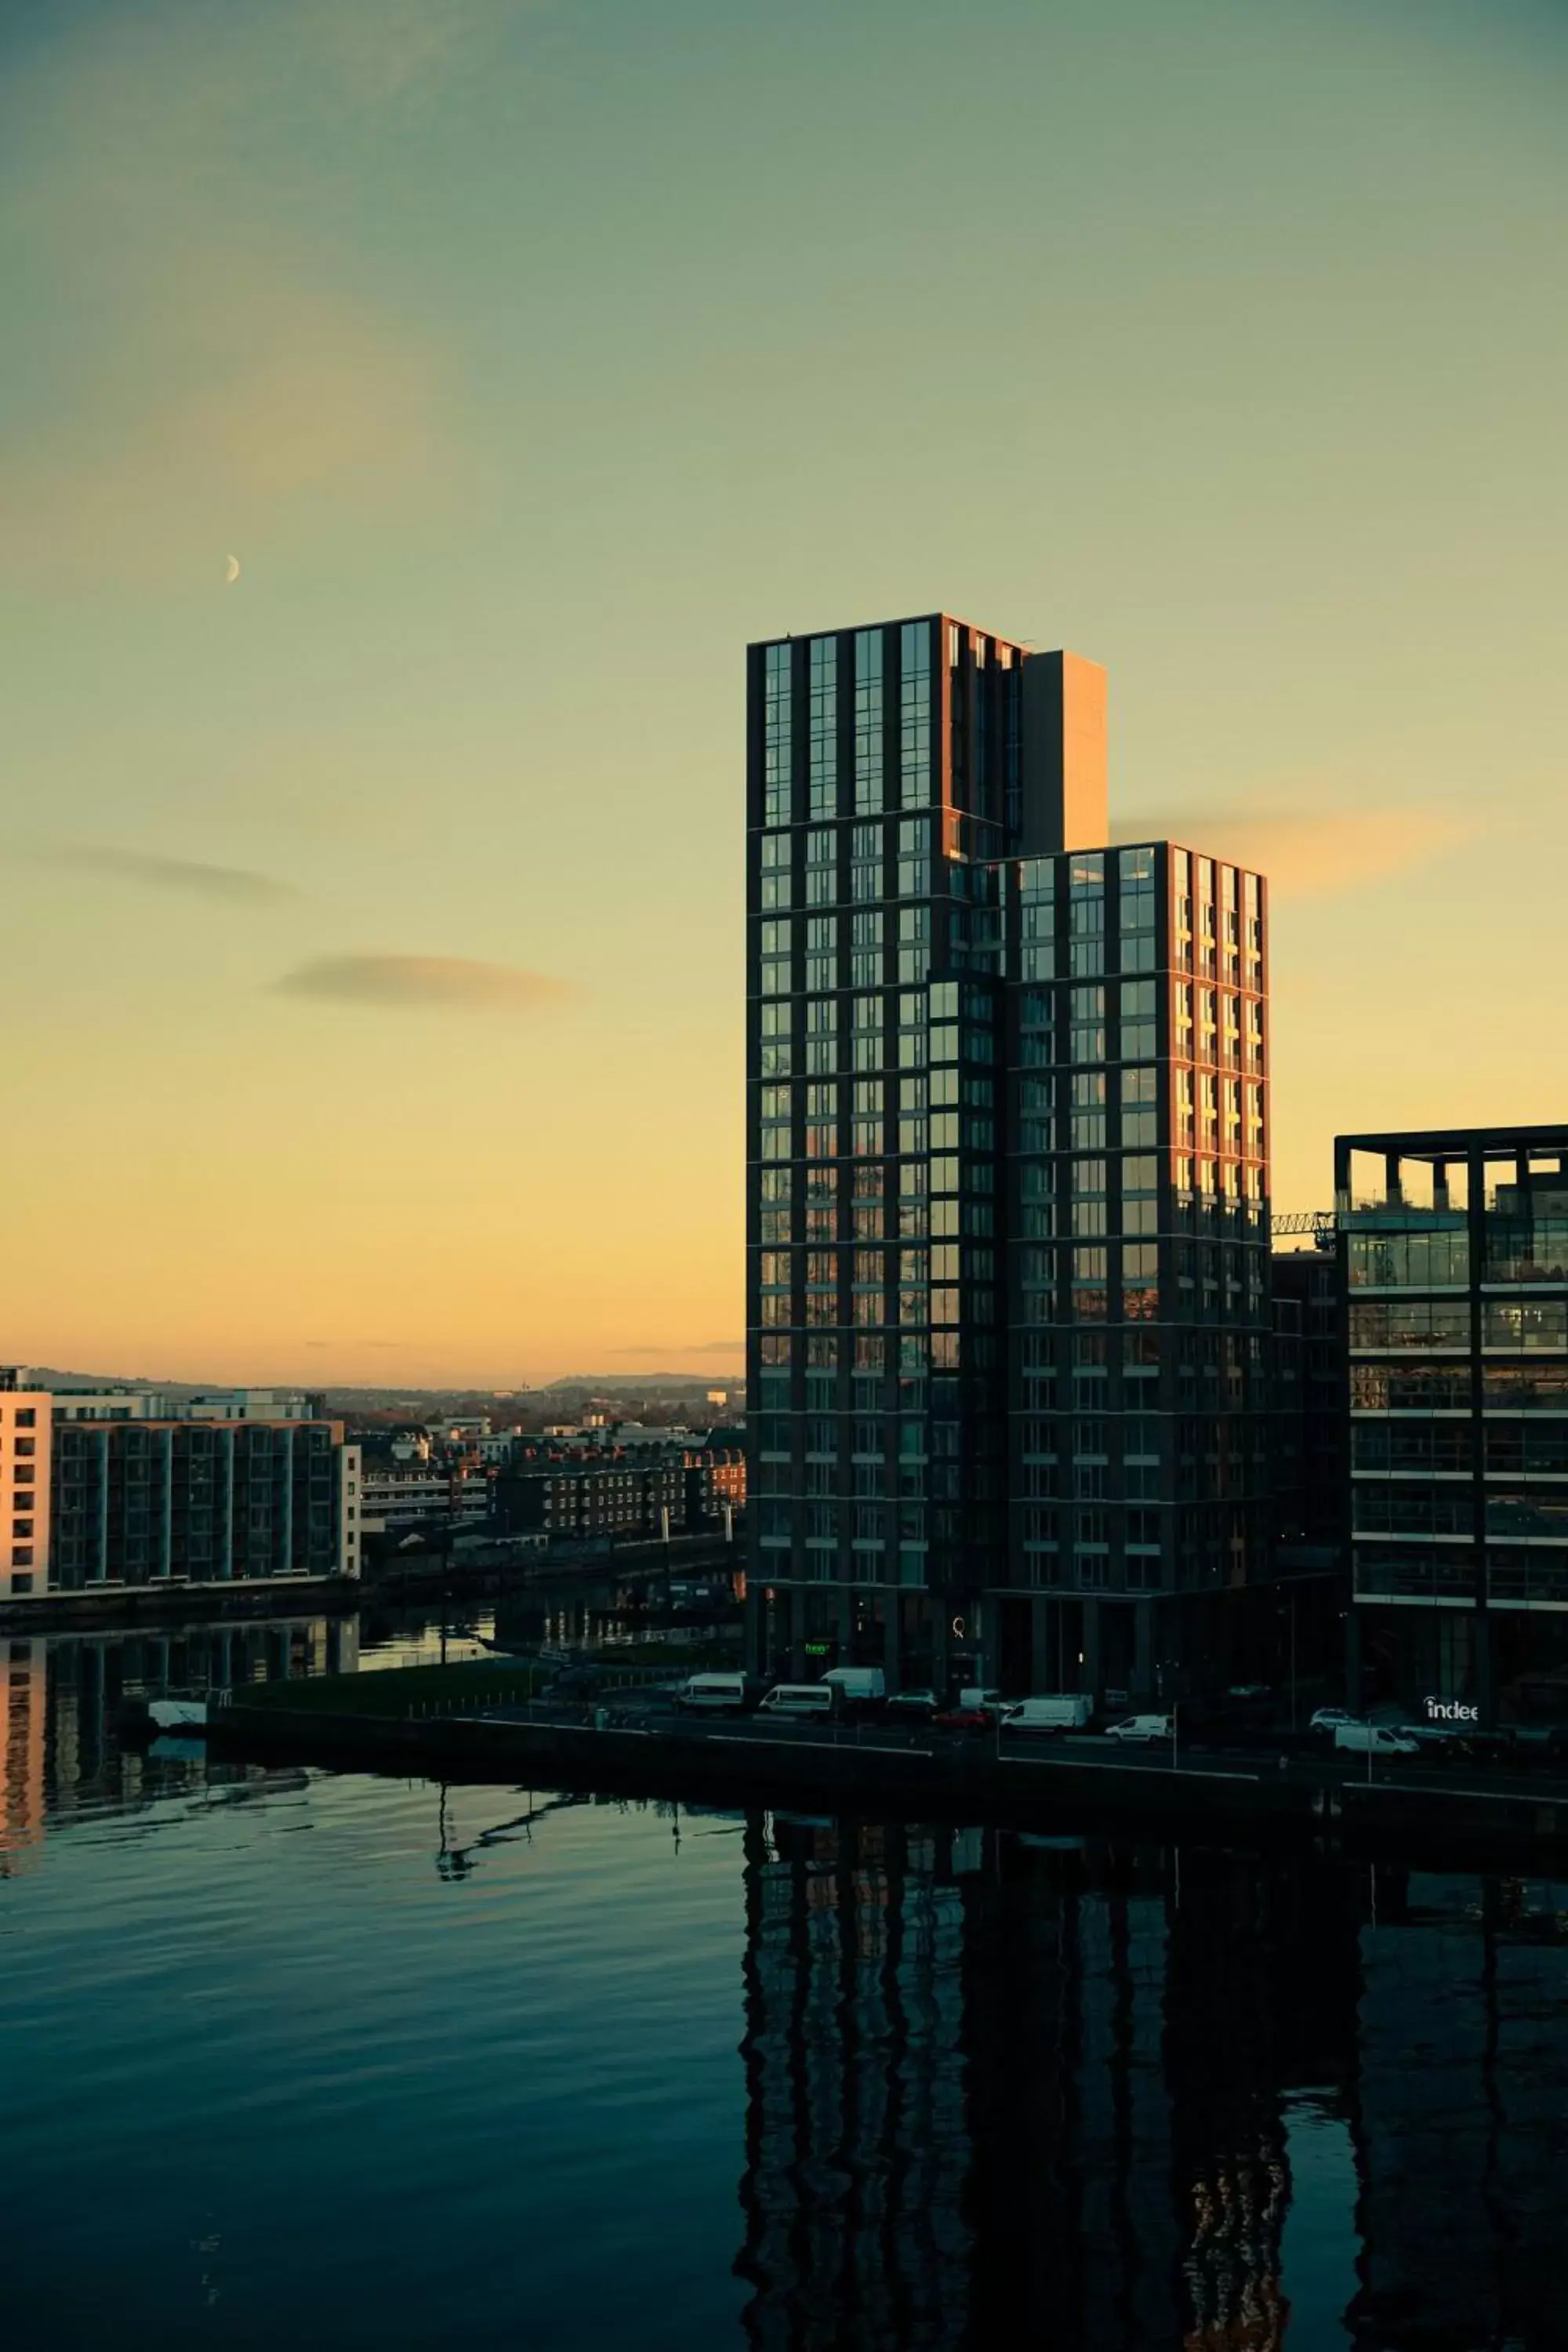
x,y
233,569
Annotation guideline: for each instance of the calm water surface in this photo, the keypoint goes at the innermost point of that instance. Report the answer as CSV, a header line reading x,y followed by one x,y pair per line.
x,y
357,2063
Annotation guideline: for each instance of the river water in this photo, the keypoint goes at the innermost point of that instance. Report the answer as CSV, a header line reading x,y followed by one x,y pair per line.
x,y
354,2061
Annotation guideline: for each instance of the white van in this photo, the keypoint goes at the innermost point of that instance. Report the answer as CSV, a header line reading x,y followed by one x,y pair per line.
x,y
864,1684
800,1698
1375,1739
990,1702
1137,1728
713,1694
1060,1711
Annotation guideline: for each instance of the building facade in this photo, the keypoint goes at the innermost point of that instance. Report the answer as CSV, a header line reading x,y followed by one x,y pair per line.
x,y
26,1422
218,1404
1007,1180
1453,1268
87,1502
1135,1190
594,1501
625,1498
400,1495
1308,1409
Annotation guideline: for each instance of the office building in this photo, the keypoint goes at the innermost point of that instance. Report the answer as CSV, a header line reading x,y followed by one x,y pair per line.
x,y
1008,1182
1309,1413
1453,1268
1135,1196
93,1503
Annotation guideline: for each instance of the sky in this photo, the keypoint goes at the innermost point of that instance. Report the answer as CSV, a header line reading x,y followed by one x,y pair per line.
x,y
373,924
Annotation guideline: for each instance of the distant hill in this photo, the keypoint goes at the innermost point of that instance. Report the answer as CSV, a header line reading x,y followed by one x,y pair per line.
x,y
47,1376
649,1385
640,1383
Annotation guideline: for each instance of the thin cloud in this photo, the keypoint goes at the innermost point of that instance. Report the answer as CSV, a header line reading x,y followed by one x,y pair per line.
x,y
224,370
1308,853
250,406
449,983
234,885
381,50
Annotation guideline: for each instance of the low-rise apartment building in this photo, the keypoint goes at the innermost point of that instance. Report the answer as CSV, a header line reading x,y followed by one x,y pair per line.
x,y
136,1502
629,1497
402,1495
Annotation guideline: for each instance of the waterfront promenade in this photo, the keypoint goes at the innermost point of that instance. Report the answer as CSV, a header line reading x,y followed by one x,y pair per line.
x,y
474,1726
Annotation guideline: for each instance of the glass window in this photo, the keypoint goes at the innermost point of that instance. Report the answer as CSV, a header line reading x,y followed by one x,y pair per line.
x,y
870,657
1412,1323
1522,1323
1412,1261
1526,1249
777,739
824,739
915,715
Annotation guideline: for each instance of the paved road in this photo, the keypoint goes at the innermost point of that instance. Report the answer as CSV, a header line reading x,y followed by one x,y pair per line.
x,y
1256,1758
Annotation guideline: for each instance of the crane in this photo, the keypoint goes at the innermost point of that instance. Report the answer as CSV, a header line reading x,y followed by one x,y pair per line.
x,y
1321,1224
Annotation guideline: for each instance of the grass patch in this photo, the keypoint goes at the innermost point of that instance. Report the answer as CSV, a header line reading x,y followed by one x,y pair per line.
x,y
399,1689
395,1690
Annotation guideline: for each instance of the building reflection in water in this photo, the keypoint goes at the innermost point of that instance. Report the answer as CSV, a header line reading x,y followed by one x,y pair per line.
x,y
23,1709
857,2137
1001,2091
59,1748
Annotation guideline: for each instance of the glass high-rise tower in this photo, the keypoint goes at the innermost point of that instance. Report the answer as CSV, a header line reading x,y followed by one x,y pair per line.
x,y
1006,1173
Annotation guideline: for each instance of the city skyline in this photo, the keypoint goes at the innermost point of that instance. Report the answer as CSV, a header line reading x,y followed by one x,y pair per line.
x,y
375,918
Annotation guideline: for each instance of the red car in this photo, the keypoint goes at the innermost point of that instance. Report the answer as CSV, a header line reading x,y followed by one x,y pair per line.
x,y
962,1718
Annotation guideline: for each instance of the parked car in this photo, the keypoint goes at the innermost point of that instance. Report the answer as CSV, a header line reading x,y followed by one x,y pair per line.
x,y
1134,1728
1375,1739
1479,1746
573,1682
919,1703
964,1718
1329,1719
1249,1691
858,1686
713,1695
1059,1711
801,1698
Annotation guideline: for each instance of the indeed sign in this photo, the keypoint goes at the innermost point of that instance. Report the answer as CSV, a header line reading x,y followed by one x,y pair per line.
x,y
1451,1710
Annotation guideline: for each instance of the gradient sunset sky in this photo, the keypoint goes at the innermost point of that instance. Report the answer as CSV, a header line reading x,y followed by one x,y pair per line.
x,y
373,926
